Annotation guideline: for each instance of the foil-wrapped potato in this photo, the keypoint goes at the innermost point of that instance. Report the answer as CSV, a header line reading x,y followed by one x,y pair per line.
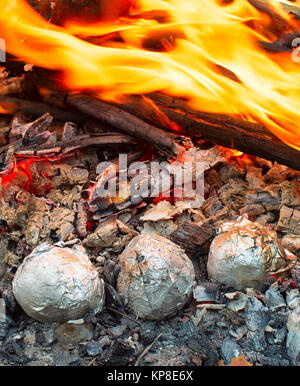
x,y
56,284
156,277
247,255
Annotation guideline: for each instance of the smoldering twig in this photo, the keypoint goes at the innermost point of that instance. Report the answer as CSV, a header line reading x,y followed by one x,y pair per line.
x,y
147,349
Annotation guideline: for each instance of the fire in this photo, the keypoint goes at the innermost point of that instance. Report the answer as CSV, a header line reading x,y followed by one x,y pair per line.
x,y
27,175
21,168
199,43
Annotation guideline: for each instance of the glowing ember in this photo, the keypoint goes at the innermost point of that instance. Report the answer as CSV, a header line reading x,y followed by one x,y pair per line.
x,y
201,42
22,175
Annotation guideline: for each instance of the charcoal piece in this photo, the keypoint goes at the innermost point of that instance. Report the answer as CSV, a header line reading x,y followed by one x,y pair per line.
x,y
12,307
187,329
70,131
68,334
12,350
7,160
211,354
93,349
4,327
293,336
206,292
108,319
112,298
37,130
119,354
190,236
256,340
148,332
111,271
289,221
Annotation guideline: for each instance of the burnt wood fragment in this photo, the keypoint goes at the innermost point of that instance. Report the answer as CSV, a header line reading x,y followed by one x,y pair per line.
x,y
169,143
221,129
33,139
190,236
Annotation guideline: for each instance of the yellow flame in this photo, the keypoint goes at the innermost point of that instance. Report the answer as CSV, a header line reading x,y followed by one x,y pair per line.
x,y
200,38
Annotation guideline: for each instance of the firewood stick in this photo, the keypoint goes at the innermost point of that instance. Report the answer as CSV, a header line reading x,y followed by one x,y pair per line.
x,y
289,8
221,129
169,143
279,24
12,105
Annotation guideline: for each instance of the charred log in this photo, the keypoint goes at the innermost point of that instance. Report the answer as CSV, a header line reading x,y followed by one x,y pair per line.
x,y
59,11
221,129
169,143
11,105
35,139
190,236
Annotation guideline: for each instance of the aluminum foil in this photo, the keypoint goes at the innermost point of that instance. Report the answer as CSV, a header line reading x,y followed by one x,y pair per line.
x,y
57,284
156,277
247,255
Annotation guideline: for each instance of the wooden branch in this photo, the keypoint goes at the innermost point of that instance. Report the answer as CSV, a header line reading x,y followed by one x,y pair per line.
x,y
279,24
11,105
221,129
169,143
289,8
35,140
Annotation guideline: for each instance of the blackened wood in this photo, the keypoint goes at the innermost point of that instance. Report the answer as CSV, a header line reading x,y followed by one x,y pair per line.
x,y
34,139
260,144
283,44
279,24
59,11
221,129
189,235
13,105
169,143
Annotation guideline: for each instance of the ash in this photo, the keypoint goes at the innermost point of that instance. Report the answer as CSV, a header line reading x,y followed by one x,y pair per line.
x,y
45,201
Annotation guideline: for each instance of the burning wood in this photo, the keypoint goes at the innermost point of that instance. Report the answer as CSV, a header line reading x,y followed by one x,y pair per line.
x,y
170,143
224,130
38,142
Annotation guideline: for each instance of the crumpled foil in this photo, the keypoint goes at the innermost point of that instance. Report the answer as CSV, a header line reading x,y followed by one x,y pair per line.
x,y
246,255
156,277
56,284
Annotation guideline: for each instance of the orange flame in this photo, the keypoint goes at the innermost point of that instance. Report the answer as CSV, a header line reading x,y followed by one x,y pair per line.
x,y
200,38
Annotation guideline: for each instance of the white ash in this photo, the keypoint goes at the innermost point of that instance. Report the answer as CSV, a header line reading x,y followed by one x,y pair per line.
x,y
273,298
293,336
58,284
156,277
293,298
246,255
238,301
